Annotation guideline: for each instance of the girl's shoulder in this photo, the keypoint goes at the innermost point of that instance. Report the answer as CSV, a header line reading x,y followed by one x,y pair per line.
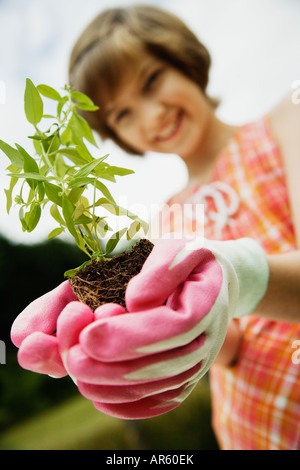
x,y
285,120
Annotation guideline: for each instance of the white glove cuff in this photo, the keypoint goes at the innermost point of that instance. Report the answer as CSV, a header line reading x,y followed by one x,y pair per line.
x,y
250,264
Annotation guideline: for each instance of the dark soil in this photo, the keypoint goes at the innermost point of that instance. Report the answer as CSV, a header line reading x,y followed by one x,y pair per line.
x,y
102,282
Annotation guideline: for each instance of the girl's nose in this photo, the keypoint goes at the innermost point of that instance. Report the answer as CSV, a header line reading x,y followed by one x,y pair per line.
x,y
152,113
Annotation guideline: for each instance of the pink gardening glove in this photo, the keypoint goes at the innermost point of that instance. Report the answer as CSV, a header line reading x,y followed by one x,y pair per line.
x,y
145,362
33,332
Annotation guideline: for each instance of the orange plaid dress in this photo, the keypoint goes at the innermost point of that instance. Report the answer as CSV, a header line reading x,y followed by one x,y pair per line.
x,y
256,403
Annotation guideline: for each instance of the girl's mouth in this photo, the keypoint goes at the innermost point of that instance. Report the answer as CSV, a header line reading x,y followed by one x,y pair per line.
x,y
171,129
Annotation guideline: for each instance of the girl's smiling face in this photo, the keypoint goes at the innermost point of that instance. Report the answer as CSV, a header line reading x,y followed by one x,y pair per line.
x,y
158,108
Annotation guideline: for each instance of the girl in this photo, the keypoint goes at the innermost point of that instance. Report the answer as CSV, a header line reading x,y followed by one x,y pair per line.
x,y
148,74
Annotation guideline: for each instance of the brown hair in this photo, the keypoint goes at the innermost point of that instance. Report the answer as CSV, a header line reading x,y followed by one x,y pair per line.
x,y
116,38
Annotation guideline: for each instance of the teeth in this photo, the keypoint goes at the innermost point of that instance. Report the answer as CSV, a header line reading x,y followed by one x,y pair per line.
x,y
169,130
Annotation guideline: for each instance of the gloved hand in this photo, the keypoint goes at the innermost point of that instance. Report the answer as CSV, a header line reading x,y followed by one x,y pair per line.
x,y
33,332
145,363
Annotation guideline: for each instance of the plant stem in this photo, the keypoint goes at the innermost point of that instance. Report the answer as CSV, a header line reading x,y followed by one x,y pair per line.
x,y
95,220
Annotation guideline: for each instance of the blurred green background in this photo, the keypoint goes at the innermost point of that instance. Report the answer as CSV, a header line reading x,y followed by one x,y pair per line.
x,y
39,412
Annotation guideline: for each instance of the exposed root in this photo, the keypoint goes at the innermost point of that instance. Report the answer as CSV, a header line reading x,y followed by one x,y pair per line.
x,y
105,281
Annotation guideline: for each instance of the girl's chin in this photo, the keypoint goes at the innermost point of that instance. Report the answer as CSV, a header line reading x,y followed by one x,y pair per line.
x,y
185,148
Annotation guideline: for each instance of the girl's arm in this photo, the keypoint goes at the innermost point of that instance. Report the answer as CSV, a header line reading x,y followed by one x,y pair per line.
x,y
282,299
280,303
285,122
229,352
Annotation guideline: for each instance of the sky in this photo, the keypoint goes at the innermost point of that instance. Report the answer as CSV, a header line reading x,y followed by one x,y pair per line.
x,y
255,52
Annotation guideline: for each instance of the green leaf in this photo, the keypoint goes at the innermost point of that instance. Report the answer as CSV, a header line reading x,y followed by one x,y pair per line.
x,y
83,101
35,137
78,182
68,209
133,229
22,219
89,240
30,196
80,129
13,169
83,220
81,97
53,193
104,174
109,172
38,147
78,211
72,272
74,194
116,170
104,190
30,165
33,216
60,167
73,155
87,107
61,104
54,143
54,233
33,103
8,193
84,153
103,227
49,92
30,176
41,191
15,157
56,214
86,169
143,223
115,209
19,200
66,136
108,205
114,240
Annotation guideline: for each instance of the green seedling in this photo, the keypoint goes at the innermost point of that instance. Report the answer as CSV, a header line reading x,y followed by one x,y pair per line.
x,y
63,176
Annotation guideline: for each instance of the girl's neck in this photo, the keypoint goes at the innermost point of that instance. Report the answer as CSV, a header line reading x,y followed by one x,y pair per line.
x,y
201,168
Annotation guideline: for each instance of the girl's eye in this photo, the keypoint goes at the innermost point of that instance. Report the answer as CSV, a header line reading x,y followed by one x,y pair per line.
x,y
151,79
122,114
